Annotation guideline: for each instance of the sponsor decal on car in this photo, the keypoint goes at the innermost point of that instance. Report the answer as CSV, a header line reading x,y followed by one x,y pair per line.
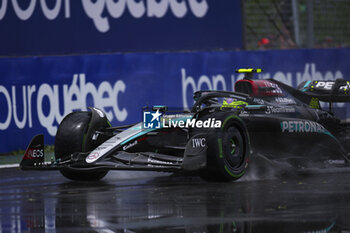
x,y
272,110
198,142
274,87
100,148
326,86
111,143
93,156
302,127
35,153
284,100
150,160
130,145
258,101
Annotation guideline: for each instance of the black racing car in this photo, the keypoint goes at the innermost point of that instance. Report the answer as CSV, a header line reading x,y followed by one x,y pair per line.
x,y
215,139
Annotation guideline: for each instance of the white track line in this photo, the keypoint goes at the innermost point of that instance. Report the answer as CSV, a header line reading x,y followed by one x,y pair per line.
x,y
9,165
17,165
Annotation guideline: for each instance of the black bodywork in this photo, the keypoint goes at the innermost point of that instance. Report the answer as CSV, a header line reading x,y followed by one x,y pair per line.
x,y
264,116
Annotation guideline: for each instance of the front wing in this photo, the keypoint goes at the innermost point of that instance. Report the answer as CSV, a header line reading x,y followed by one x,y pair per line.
x,y
194,159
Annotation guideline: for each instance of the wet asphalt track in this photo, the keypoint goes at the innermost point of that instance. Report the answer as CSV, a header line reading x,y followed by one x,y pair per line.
x,y
32,201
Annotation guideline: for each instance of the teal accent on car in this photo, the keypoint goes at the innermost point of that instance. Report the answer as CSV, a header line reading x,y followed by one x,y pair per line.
x,y
329,134
255,105
306,86
145,131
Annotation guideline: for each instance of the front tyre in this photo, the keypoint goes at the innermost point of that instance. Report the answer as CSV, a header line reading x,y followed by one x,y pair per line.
x,y
72,136
228,151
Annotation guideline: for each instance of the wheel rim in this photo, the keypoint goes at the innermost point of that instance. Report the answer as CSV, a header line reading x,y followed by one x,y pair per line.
x,y
233,147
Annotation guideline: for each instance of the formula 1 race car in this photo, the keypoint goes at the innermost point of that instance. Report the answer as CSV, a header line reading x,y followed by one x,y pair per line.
x,y
214,140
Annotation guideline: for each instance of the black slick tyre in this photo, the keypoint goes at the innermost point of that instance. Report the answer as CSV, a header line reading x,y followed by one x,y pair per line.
x,y
71,137
228,150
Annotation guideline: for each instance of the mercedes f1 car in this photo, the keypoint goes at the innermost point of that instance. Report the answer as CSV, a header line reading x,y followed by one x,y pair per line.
x,y
214,140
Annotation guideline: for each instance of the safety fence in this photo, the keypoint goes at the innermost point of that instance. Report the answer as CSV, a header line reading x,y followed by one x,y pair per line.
x,y
282,24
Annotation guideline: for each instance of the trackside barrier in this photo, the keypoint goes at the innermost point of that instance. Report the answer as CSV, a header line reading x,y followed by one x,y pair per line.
x,y
48,27
36,93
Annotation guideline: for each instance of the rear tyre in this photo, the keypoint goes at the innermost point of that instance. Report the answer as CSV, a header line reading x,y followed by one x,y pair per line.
x,y
228,151
71,137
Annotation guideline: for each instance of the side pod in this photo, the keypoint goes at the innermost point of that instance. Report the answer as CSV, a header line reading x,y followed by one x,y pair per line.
x,y
34,155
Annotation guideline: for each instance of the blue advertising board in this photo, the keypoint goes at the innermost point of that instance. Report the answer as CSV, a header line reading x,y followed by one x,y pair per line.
x,y
56,27
36,93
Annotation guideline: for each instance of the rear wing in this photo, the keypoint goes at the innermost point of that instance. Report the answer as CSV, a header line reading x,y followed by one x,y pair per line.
x,y
308,90
327,91
311,92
